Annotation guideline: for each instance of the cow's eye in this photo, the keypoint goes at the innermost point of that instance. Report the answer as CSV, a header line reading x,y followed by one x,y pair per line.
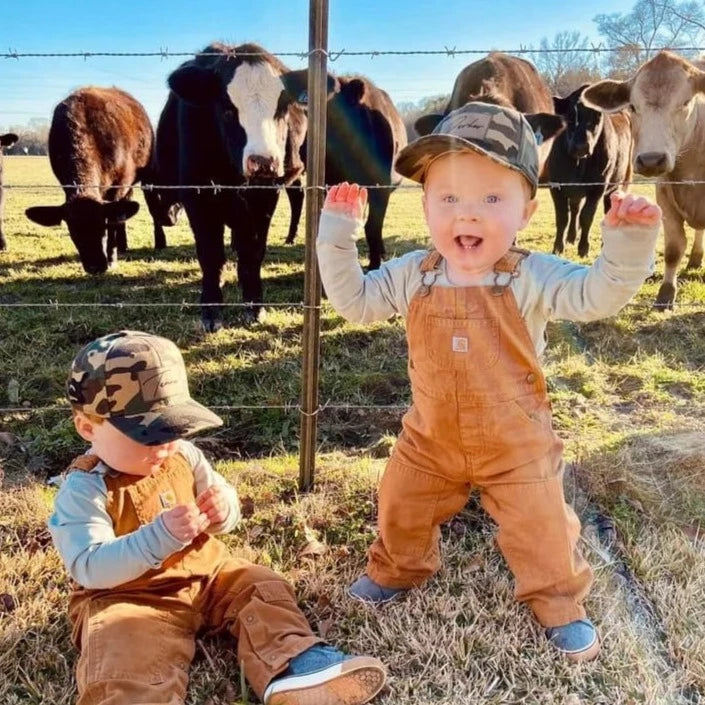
x,y
632,108
687,103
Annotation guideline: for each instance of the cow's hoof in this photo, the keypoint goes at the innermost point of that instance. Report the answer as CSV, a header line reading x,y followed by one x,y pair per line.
x,y
693,263
211,325
583,250
665,297
571,238
558,249
252,315
290,240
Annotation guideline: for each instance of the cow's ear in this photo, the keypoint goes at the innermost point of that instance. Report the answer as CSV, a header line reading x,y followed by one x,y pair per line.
x,y
425,124
561,106
296,85
46,215
196,85
545,125
608,96
7,139
120,211
353,91
699,81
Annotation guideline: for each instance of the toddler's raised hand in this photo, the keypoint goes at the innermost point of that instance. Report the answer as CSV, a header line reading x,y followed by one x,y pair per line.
x,y
185,522
627,209
346,199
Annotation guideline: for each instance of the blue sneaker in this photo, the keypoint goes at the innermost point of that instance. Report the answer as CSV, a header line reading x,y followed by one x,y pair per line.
x,y
367,590
322,675
578,640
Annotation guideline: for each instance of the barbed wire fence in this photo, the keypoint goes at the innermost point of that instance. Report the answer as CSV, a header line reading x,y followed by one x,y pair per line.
x,y
318,55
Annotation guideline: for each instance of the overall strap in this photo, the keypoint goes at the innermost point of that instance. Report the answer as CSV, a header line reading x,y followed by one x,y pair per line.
x,y
84,463
430,268
509,263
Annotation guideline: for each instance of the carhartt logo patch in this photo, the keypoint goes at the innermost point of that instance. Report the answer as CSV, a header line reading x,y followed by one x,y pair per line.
x,y
460,344
167,499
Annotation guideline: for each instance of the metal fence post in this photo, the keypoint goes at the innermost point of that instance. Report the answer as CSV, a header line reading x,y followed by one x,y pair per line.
x,y
315,172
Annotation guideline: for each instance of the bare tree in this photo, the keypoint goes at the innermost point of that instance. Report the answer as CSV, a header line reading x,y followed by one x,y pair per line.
x,y
565,62
649,26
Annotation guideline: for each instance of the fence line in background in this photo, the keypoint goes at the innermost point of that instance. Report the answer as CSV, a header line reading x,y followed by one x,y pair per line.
x,y
245,187
334,55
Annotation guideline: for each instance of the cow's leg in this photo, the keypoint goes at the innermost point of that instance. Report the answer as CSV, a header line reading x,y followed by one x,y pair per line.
x,y
378,200
155,203
111,248
675,244
587,215
695,260
121,237
159,236
296,202
573,224
560,205
208,230
3,242
250,243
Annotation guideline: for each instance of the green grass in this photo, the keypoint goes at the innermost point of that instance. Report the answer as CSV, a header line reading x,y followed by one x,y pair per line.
x,y
627,395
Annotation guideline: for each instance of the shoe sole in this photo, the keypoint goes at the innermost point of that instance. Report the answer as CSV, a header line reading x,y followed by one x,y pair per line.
x,y
352,682
586,654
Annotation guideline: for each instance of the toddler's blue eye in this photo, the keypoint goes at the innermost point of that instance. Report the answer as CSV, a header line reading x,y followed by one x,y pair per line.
x,y
450,199
492,198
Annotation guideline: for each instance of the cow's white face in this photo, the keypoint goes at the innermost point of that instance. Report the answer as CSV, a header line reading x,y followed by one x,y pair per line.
x,y
255,91
662,98
661,105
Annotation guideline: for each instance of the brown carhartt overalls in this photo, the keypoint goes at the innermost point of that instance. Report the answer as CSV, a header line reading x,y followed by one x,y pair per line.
x,y
137,640
480,417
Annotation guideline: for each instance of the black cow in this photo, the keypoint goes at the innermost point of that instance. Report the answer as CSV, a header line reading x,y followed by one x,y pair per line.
x,y
502,79
9,138
100,139
364,134
595,149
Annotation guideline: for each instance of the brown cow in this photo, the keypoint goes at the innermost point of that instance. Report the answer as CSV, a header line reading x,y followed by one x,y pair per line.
x,y
100,139
6,140
505,80
665,98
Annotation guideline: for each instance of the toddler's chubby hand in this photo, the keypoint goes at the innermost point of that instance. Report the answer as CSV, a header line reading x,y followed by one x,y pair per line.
x,y
185,522
627,209
346,199
214,504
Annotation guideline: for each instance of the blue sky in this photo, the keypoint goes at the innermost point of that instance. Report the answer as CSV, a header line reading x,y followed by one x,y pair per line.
x,y
30,87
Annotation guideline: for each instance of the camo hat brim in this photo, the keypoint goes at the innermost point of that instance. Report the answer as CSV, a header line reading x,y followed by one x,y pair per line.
x,y
137,382
496,132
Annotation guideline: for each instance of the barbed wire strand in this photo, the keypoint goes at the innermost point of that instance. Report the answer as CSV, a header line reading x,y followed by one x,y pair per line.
x,y
245,187
334,55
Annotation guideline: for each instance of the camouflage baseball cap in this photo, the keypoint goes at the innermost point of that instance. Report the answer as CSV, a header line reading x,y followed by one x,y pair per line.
x,y
137,382
502,134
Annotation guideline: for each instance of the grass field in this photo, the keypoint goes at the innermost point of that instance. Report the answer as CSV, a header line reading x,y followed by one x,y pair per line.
x,y
628,396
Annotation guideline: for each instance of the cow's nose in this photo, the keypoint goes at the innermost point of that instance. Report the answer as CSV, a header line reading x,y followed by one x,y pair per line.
x,y
649,163
580,150
261,165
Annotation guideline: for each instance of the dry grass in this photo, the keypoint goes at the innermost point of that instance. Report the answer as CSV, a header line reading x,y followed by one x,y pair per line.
x,y
628,400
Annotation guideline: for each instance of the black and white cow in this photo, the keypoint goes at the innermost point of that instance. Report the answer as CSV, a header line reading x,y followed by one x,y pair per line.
x,y
6,140
595,150
241,120
232,122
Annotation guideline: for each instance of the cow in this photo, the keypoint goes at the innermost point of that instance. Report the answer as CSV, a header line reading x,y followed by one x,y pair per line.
x,y
595,150
6,140
501,79
241,121
100,144
364,134
667,110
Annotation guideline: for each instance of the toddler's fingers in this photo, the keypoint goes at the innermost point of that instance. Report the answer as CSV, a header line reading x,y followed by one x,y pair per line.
x,y
363,197
343,192
353,194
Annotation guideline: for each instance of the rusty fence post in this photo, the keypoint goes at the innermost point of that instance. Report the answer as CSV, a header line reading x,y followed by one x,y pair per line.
x,y
315,193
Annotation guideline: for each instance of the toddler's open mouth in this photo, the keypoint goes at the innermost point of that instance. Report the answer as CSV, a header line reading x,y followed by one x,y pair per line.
x,y
468,242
